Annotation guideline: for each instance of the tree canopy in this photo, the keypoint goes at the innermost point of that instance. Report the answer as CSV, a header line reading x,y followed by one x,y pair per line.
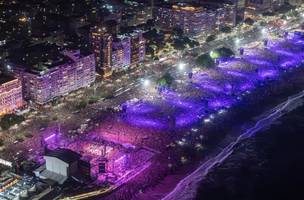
x,y
166,80
268,13
81,105
249,21
224,52
181,43
178,31
150,23
205,61
226,29
210,38
9,120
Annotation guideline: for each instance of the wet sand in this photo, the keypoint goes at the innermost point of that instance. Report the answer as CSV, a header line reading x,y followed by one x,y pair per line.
x,y
267,166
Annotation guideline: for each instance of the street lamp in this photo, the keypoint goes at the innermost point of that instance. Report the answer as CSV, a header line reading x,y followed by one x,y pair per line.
x,y
181,66
264,31
237,41
146,82
211,53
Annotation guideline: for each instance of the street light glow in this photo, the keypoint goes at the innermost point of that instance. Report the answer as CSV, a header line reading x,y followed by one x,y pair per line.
x,y
146,82
237,41
181,66
264,30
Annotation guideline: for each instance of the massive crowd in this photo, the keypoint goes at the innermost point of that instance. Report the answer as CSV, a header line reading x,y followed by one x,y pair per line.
x,y
120,134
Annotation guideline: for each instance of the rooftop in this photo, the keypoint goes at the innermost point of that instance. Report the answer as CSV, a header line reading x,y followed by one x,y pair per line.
x,y
38,57
188,7
4,78
182,6
65,155
41,57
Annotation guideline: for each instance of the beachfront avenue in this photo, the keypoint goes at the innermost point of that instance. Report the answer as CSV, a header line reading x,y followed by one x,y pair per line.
x,y
143,114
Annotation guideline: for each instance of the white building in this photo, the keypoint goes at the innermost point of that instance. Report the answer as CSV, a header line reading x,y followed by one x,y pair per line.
x,y
192,20
121,52
264,5
59,165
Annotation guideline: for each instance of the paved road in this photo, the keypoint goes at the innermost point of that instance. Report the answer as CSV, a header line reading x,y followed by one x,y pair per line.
x,y
187,187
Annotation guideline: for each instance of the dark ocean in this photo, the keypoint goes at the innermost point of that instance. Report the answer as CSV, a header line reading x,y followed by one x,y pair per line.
x,y
269,165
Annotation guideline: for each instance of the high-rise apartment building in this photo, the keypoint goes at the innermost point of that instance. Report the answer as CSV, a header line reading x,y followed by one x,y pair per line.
x,y
264,5
239,10
121,52
10,94
54,78
138,47
226,15
114,53
102,46
190,19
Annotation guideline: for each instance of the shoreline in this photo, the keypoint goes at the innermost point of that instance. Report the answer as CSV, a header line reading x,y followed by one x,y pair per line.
x,y
280,95
191,182
266,166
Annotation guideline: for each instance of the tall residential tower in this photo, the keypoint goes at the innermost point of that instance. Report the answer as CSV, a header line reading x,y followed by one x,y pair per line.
x,y
102,47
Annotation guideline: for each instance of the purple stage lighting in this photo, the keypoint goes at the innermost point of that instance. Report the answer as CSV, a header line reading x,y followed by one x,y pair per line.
x,y
256,61
218,103
50,137
147,122
186,119
246,86
284,52
140,108
288,64
235,73
181,103
268,73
